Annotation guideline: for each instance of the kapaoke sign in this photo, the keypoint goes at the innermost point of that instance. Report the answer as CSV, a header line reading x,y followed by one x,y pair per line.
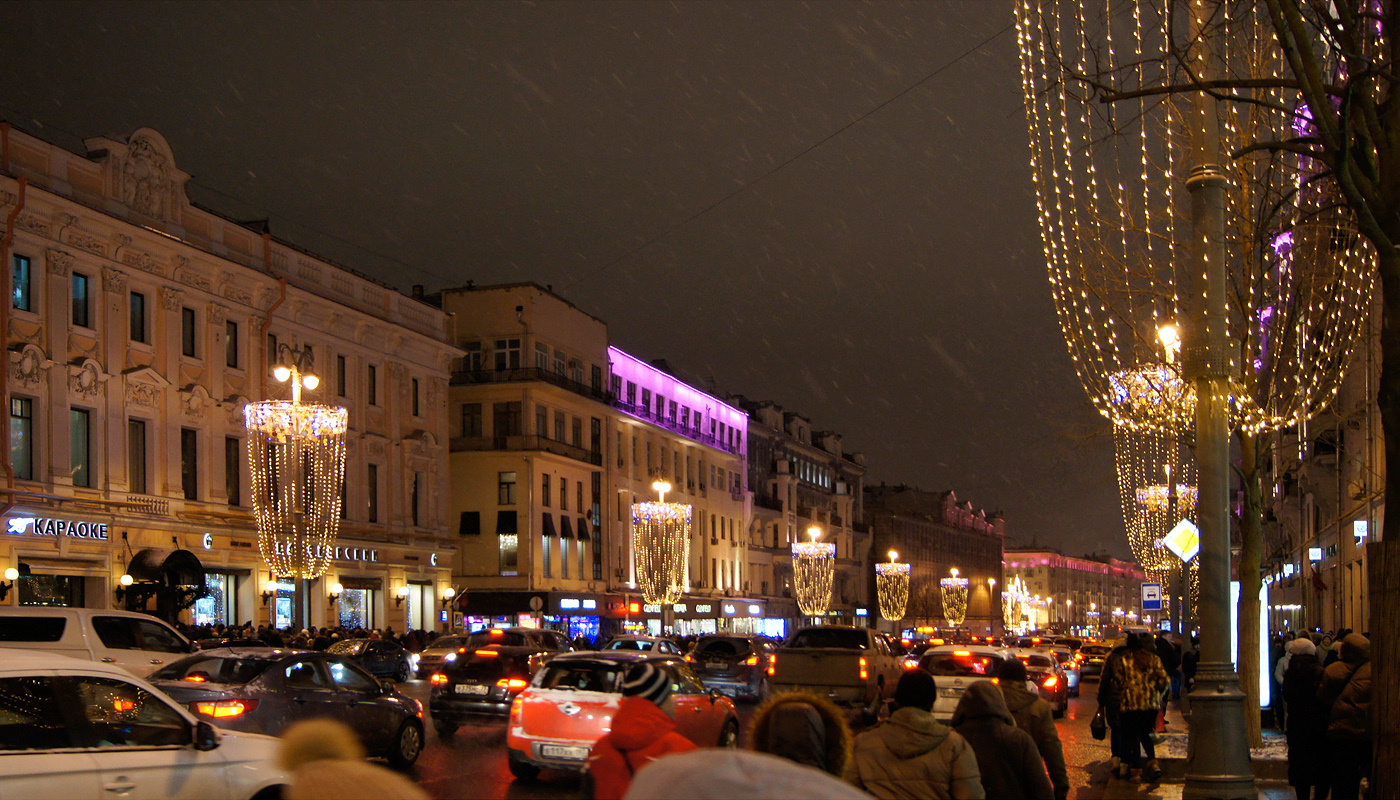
x,y
45,526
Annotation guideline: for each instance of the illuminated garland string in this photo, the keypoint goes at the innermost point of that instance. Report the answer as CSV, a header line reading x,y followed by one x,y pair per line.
x,y
813,569
954,595
892,587
661,543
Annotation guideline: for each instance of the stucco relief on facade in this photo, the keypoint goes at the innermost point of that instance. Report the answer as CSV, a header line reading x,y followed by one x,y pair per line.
x,y
27,365
146,177
58,262
86,378
171,299
375,445
31,222
113,280
233,406
218,315
191,276
194,402
229,289
144,387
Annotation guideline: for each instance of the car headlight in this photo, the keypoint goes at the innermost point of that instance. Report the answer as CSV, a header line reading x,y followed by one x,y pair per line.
x,y
450,657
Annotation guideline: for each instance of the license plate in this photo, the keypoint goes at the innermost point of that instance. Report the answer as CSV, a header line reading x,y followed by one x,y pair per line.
x,y
950,692
468,688
717,665
564,751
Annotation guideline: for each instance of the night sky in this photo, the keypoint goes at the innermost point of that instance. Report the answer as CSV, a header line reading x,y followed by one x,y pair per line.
x,y
828,205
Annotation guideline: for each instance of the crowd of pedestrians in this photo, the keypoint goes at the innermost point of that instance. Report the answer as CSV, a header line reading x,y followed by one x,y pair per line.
x,y
1325,703
312,638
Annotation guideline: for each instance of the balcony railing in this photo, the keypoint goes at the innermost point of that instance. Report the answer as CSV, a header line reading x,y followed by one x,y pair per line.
x,y
541,443
770,503
642,412
470,377
146,504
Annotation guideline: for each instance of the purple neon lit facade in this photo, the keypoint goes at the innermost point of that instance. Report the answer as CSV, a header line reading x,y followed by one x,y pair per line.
x,y
640,390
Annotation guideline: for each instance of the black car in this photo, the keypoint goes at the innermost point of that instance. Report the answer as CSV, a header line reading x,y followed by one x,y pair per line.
x,y
382,658
481,682
735,664
263,690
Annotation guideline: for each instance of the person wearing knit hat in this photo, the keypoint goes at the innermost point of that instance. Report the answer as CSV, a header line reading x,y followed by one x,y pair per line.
x,y
642,730
327,762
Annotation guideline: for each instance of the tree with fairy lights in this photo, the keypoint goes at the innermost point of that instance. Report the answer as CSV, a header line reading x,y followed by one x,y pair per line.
x,y
1123,100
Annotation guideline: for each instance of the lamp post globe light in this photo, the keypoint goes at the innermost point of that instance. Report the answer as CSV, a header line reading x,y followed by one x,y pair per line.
x,y
296,452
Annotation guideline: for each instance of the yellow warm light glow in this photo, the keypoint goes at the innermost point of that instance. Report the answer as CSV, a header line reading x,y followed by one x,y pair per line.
x,y
281,374
813,570
125,580
661,547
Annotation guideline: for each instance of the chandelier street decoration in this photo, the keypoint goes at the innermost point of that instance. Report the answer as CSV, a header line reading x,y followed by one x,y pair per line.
x,y
892,587
296,452
954,591
1013,599
813,565
661,543
1110,156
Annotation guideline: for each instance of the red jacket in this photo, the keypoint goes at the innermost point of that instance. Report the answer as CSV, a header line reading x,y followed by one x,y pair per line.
x,y
641,733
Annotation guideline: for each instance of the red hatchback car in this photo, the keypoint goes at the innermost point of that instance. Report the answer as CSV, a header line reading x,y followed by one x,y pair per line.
x,y
570,703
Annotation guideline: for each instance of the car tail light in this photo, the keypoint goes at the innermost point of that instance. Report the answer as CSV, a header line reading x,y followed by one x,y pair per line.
x,y
751,660
486,654
195,677
962,652
438,679
515,711
773,664
911,664
513,684
1051,682
864,669
223,709
690,659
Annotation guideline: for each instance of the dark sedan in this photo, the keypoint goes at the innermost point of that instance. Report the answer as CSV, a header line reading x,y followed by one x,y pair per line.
x,y
264,690
481,682
736,665
383,659
1094,657
430,660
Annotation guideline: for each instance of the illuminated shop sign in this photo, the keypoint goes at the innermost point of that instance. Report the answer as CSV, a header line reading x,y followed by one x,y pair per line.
x,y
729,608
704,608
573,603
44,526
363,554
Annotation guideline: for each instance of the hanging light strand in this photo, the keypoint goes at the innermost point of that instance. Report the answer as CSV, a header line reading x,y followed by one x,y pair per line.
x,y
892,587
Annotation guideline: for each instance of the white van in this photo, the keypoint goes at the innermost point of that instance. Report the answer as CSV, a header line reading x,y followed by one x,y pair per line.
x,y
139,643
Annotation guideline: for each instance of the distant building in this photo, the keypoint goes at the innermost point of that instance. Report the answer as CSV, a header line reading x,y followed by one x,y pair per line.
x,y
1091,594
936,533
801,478
138,326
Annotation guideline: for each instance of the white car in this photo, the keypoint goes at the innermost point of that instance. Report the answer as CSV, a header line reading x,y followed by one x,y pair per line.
x,y
955,667
1070,664
138,643
74,728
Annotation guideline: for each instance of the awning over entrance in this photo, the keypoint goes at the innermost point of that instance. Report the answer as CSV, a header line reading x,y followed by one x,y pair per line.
x,y
166,567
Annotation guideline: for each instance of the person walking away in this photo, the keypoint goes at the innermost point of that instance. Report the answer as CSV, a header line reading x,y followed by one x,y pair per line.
x,y
1308,772
1010,765
911,755
643,730
1033,716
804,728
1171,662
1346,693
1110,698
1141,681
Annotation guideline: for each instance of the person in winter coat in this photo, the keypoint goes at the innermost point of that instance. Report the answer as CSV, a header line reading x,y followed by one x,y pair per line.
x,y
1010,765
1346,694
643,730
1110,698
911,755
1308,771
803,728
327,762
713,773
1033,716
1171,662
1140,682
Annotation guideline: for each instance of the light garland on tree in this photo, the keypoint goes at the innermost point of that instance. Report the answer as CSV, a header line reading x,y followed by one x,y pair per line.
x,y
1109,179
1013,599
296,452
813,569
954,592
892,587
661,544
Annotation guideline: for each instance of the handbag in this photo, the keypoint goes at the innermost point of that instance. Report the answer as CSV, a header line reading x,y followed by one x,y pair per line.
x,y
1098,726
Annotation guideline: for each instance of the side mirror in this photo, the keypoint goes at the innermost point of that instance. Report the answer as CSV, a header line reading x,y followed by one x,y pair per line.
x,y
385,686
715,695
206,736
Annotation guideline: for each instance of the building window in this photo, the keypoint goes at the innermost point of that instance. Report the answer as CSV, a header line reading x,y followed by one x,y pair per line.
x,y
82,301
509,554
564,558
507,354
187,342
414,499
545,489
137,314
233,485
563,494
541,357
505,488
231,343
577,441
471,419
372,388
558,362
578,486
22,437
22,299
340,376
545,550
80,449
136,456
595,433
506,419
631,393
414,396
646,402
472,361
541,422
372,486
272,357
559,426
595,380
189,462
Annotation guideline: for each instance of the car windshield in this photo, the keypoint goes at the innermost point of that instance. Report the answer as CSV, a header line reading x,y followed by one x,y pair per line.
x,y
629,644
830,637
1037,661
962,662
496,636
1096,650
199,669
1073,644
583,676
351,648
722,646
486,670
1062,656
446,643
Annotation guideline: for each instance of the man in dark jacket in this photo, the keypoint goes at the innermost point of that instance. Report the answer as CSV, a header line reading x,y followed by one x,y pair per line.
x,y
1346,694
1171,662
1307,722
911,755
1109,697
1007,758
1033,716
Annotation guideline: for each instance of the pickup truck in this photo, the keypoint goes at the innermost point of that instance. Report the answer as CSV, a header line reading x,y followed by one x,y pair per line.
x,y
853,667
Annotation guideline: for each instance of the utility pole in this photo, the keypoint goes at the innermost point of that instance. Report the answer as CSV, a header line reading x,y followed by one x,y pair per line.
x,y
1217,764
